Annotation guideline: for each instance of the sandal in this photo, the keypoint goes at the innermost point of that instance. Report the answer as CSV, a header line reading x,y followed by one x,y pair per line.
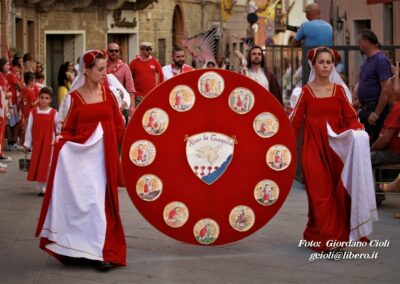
x,y
385,186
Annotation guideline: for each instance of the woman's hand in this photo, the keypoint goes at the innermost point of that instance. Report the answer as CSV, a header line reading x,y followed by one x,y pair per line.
x,y
58,138
396,69
373,118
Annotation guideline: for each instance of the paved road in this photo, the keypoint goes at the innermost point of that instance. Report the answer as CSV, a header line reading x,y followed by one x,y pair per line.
x,y
271,255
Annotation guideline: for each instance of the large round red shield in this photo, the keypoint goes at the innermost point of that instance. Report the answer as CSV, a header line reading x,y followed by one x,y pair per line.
x,y
209,157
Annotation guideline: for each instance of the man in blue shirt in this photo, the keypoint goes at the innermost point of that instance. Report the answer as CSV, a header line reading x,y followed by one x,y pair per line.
x,y
315,32
374,76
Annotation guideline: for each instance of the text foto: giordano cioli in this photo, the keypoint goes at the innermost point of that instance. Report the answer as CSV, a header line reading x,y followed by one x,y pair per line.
x,y
351,244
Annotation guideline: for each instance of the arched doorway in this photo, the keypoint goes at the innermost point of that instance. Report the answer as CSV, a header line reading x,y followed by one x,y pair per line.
x,y
177,27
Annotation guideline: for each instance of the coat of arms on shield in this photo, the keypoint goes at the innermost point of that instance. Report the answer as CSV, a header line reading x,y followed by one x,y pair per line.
x,y
209,154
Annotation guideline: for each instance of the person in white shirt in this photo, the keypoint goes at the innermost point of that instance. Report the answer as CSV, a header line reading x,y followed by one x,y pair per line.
x,y
178,65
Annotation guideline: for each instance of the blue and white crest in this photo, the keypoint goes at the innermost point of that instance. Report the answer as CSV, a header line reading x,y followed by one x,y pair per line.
x,y
209,154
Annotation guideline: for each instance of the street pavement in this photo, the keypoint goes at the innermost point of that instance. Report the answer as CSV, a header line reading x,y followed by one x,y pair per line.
x,y
271,255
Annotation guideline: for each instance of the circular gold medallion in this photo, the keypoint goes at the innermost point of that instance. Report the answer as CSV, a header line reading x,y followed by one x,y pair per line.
x,y
149,187
142,153
206,231
241,218
175,214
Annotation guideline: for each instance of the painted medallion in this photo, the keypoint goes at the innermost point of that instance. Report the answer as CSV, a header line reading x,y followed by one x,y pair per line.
x,y
266,192
182,98
278,157
142,153
266,125
149,187
175,214
241,218
211,85
206,231
155,121
241,100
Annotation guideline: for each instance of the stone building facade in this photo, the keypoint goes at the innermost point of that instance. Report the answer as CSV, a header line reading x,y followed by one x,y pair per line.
x,y
56,31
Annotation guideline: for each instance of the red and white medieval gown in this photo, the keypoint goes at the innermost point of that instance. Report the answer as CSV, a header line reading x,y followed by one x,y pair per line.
x,y
336,168
40,132
80,212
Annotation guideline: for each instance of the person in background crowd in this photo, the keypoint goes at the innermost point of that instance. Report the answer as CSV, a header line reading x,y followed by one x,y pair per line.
x,y
386,149
28,98
39,80
5,94
63,83
178,65
210,64
257,70
39,67
14,120
375,73
315,32
122,72
220,61
146,72
29,63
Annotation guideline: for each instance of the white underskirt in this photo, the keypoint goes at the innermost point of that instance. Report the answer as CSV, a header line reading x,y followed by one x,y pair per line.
x,y
352,146
76,220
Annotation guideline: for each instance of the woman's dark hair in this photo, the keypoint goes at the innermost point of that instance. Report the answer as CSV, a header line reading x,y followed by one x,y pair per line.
x,y
320,50
249,57
3,62
62,76
15,61
370,36
27,57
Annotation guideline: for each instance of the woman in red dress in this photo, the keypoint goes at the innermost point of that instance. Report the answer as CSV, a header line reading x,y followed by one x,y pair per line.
x,y
323,102
80,213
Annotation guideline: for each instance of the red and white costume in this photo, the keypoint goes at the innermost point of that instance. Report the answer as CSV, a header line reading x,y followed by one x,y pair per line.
x,y
336,168
170,71
40,133
80,213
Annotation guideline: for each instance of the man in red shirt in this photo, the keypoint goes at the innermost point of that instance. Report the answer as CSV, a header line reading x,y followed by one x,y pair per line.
x,y
146,72
121,71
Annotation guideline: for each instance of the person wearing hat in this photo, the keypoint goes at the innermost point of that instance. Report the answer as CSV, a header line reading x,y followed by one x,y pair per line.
x,y
146,71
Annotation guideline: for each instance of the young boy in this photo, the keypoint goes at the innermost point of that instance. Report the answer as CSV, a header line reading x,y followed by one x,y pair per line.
x,y
40,135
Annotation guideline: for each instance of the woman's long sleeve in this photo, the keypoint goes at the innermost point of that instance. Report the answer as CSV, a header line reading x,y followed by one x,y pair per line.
x,y
297,116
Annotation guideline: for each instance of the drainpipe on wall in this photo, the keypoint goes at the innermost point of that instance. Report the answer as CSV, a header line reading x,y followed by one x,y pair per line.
x,y
203,4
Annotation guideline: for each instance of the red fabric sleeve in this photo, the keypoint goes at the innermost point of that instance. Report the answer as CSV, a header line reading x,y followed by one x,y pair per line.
x,y
350,115
298,113
69,126
393,119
